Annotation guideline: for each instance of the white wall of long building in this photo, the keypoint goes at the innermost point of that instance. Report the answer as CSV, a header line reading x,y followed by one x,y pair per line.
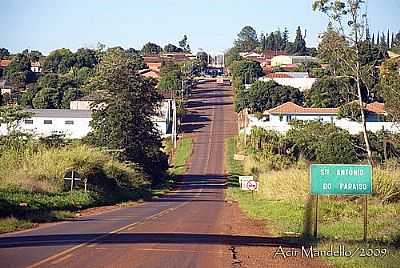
x,y
74,128
300,83
352,127
75,124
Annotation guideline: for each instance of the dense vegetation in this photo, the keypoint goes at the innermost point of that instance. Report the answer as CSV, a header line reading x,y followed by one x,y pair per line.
x,y
283,200
122,158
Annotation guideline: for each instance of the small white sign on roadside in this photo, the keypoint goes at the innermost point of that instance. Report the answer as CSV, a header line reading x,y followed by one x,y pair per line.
x,y
243,180
252,185
238,157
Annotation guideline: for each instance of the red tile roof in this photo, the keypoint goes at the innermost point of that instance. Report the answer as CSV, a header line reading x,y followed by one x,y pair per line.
x,y
4,63
150,73
292,108
376,107
276,75
152,59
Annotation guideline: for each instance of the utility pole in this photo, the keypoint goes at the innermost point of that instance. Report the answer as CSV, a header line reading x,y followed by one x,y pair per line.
x,y
174,124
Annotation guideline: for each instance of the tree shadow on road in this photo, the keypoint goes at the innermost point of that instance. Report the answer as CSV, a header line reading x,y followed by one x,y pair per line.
x,y
145,238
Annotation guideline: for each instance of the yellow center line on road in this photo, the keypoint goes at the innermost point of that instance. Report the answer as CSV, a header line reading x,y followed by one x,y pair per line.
x,y
61,255
209,139
166,250
61,259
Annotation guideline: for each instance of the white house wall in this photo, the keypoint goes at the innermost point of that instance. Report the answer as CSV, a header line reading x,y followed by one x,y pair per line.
x,y
79,129
302,84
352,127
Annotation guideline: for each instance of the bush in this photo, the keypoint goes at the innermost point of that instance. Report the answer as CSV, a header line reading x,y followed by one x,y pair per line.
x,y
323,143
43,169
387,182
263,95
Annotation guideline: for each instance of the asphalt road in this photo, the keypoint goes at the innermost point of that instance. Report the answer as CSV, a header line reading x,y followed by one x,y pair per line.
x,y
183,229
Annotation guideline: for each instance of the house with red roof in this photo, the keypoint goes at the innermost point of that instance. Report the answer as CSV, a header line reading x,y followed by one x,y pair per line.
x,y
279,118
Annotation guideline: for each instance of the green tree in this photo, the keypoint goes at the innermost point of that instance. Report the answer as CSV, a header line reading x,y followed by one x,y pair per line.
x,y
170,48
263,43
124,121
82,75
151,48
47,98
246,71
247,39
12,117
396,43
26,99
33,55
351,111
285,40
85,58
69,95
263,96
390,83
331,39
299,45
331,92
49,80
349,19
4,53
322,143
19,71
203,60
170,78
59,61
184,44
232,55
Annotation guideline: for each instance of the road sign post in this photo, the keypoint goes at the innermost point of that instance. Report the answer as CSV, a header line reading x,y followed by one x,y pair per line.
x,y
339,179
252,186
316,218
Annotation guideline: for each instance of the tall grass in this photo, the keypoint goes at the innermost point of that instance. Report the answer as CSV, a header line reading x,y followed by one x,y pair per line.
x,y
284,201
182,156
43,169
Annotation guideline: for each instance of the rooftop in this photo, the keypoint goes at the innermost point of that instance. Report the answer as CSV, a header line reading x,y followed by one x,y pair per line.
x,y
60,113
292,108
4,63
288,75
376,107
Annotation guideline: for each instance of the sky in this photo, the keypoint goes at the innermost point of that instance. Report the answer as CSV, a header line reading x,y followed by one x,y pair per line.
x,y
46,25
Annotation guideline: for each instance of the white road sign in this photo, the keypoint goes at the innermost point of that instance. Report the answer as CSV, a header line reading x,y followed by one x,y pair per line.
x,y
252,186
243,181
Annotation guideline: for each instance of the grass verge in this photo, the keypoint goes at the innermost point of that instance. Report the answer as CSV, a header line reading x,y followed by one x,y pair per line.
x,y
22,208
289,213
179,162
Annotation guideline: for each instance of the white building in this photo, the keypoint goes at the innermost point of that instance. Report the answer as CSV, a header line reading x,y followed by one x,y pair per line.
x,y
283,60
299,80
6,87
36,67
278,118
162,121
73,124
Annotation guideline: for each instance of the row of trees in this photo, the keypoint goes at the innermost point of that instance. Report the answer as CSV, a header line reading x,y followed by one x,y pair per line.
x,y
247,41
386,42
354,68
124,121
260,96
153,48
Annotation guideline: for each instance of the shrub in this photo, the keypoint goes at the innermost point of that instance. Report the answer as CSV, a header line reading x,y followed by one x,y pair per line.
x,y
387,182
43,169
323,143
